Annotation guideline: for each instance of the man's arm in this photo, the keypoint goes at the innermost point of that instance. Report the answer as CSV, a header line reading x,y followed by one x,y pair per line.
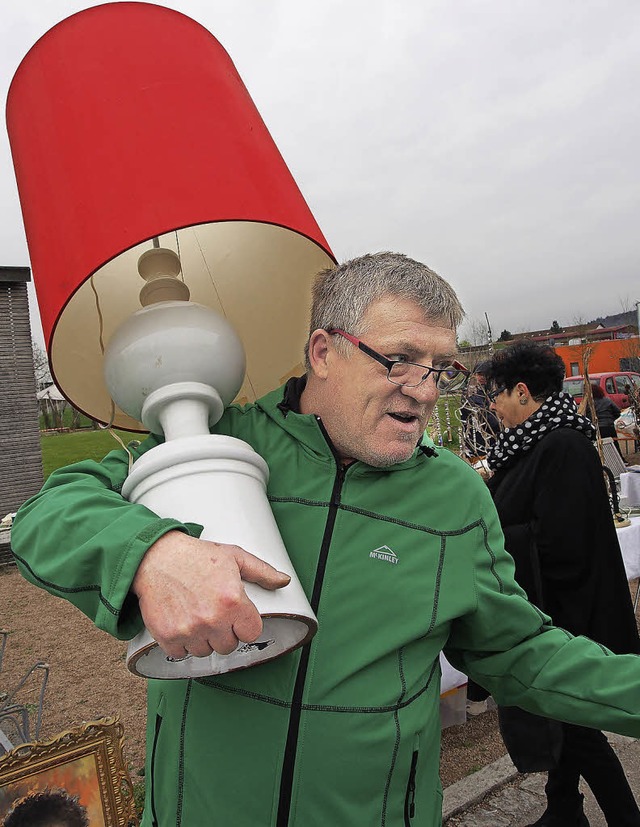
x,y
509,647
81,540
569,678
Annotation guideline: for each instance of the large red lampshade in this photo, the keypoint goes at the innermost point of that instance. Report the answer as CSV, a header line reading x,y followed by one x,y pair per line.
x,y
129,122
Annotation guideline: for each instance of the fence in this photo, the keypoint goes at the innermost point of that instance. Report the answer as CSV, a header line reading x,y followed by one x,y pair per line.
x,y
20,457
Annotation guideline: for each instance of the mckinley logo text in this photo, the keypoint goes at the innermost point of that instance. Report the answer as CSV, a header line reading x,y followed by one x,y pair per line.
x,y
384,553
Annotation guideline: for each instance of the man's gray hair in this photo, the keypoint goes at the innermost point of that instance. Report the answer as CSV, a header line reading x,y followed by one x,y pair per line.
x,y
342,294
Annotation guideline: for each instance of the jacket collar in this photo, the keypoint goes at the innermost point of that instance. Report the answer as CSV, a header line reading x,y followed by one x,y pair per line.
x,y
292,394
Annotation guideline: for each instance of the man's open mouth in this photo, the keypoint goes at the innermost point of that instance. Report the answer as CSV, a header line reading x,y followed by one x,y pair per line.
x,y
405,418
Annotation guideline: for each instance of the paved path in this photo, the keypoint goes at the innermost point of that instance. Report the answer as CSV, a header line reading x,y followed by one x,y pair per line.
x,y
498,796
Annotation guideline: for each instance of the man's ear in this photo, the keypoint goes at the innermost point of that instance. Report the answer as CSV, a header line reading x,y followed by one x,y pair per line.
x,y
319,349
522,390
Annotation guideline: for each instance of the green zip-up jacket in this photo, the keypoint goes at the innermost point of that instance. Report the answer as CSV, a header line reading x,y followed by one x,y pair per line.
x,y
345,731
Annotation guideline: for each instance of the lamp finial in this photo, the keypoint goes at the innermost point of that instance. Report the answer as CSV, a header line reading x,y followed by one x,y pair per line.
x,y
161,268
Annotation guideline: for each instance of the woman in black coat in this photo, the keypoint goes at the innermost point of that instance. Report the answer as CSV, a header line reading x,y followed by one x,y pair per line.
x,y
549,490
606,412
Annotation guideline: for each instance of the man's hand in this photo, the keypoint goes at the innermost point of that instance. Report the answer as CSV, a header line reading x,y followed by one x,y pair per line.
x,y
191,595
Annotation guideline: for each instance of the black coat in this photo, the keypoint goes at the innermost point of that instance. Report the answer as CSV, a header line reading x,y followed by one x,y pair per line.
x,y
552,501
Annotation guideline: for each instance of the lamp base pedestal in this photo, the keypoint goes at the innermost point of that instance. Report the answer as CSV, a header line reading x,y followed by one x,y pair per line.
x,y
220,483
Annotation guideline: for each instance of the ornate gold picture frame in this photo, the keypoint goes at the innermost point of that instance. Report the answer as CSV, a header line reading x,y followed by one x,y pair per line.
x,y
81,770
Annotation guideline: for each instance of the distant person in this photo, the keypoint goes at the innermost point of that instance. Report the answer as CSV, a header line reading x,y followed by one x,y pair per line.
x,y
633,394
479,425
549,490
606,414
47,808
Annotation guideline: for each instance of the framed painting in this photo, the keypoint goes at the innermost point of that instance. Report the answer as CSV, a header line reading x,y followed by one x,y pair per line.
x,y
77,779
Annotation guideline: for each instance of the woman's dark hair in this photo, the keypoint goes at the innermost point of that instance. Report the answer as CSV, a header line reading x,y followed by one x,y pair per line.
x,y
598,393
538,366
47,807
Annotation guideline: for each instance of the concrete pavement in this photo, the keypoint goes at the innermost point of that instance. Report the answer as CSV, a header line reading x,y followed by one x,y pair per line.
x,y
499,796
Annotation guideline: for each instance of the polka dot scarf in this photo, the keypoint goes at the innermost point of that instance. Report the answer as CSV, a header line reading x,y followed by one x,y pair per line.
x,y
557,411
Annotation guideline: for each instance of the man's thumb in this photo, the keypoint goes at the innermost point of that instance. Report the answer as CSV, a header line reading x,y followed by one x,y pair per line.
x,y
255,570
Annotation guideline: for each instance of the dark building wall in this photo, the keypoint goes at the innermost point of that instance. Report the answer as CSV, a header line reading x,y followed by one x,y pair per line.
x,y
20,455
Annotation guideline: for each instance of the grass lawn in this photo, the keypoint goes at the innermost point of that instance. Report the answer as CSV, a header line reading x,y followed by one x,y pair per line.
x,y
447,408
60,449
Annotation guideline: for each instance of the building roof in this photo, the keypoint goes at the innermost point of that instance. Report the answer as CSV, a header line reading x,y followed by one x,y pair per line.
x,y
576,330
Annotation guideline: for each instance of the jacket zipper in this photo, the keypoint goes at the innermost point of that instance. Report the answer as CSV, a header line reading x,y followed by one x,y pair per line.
x,y
152,770
288,765
410,798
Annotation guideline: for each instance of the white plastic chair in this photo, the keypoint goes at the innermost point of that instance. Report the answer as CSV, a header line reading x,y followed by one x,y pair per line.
x,y
14,716
614,462
612,458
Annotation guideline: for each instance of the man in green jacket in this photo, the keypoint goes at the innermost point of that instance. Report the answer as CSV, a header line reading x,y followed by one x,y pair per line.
x,y
346,730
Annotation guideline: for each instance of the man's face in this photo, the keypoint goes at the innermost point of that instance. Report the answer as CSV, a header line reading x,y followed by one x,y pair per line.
x,y
367,417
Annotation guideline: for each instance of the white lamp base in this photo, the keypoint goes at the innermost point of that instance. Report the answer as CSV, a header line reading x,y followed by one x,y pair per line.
x,y
220,483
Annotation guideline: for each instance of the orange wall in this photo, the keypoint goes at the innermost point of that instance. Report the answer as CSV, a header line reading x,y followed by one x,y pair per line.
x,y
605,356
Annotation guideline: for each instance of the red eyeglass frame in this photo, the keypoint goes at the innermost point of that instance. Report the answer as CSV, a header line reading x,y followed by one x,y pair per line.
x,y
389,363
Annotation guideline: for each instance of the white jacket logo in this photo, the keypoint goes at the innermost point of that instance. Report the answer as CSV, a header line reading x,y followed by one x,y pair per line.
x,y
384,553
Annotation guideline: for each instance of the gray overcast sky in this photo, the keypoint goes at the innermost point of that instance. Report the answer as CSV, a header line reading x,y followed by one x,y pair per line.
x,y
495,140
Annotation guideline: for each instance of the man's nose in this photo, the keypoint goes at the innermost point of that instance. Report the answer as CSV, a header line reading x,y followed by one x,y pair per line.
x,y
425,392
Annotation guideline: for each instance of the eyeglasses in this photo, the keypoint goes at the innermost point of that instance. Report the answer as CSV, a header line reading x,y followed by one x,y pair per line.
x,y
410,374
492,394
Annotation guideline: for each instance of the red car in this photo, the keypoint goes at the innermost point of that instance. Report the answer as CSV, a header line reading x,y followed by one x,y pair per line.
x,y
614,384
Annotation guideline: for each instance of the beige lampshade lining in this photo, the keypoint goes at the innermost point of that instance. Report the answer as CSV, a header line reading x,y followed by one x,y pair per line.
x,y
257,275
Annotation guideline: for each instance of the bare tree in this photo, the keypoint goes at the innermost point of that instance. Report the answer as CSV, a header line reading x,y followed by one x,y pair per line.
x,y
40,366
631,345
627,304
475,331
581,350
